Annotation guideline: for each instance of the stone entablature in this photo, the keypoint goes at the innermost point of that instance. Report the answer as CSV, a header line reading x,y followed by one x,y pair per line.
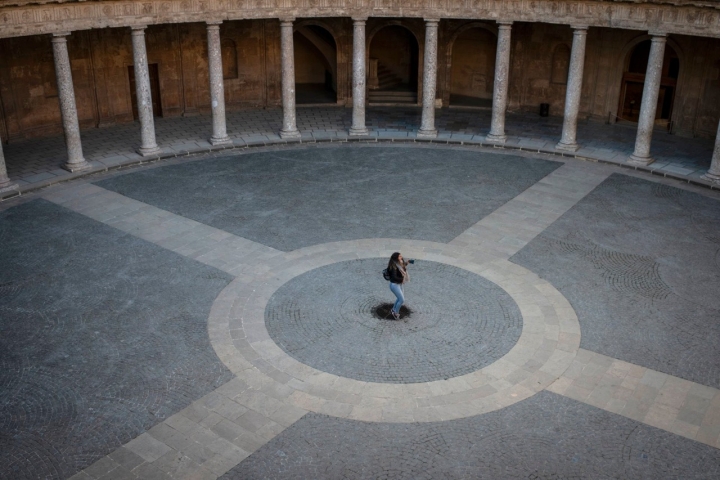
x,y
700,18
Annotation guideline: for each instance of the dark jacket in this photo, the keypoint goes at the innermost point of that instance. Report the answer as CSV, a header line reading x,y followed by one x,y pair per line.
x,y
395,274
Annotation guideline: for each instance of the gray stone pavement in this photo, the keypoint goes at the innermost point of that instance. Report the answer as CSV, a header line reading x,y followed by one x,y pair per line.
x,y
545,409
36,163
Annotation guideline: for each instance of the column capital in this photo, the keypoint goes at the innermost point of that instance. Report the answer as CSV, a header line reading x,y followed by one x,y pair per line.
x,y
214,23
505,23
285,21
60,36
658,36
579,28
138,29
359,19
432,20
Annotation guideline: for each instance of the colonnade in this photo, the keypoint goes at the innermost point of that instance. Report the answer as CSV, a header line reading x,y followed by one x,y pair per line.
x,y
568,142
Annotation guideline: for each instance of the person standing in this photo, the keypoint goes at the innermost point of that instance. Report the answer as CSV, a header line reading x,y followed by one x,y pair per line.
x,y
397,270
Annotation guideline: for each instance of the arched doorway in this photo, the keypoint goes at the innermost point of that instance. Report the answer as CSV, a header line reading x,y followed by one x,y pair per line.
x,y
633,82
393,66
472,71
315,65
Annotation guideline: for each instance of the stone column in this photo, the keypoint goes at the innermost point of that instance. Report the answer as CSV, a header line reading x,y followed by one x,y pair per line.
x,y
217,88
6,185
500,90
289,128
714,173
568,141
648,107
148,145
358,80
427,124
68,108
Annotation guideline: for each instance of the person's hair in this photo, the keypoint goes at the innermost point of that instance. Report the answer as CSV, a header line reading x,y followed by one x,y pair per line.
x,y
392,264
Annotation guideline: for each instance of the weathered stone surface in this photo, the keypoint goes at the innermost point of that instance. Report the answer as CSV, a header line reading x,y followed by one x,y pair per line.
x,y
217,88
148,145
648,108
502,80
427,124
568,141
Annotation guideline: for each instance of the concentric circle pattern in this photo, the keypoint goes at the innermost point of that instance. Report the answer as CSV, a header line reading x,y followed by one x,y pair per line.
x,y
460,323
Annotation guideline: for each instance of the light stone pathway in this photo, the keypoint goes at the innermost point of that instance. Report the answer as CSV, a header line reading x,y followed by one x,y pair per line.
x,y
273,390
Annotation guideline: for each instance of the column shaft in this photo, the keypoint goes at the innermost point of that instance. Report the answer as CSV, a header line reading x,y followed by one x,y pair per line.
x,y
568,141
427,124
500,90
648,108
217,87
289,129
68,108
358,80
6,185
714,173
148,145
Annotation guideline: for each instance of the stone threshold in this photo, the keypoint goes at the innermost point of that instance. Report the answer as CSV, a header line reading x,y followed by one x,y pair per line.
x,y
98,167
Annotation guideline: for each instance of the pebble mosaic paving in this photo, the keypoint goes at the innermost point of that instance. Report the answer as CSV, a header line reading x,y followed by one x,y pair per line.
x,y
545,437
643,276
289,199
460,322
102,336
137,343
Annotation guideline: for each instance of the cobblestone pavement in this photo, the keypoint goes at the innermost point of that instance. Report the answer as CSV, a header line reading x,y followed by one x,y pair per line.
x,y
460,322
545,437
35,163
163,288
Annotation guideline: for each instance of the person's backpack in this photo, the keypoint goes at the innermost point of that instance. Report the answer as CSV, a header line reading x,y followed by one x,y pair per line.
x,y
386,274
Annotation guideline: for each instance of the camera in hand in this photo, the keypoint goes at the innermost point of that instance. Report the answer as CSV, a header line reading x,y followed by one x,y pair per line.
x,y
412,260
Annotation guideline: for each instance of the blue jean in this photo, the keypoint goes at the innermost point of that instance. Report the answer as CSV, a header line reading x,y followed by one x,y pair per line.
x,y
396,288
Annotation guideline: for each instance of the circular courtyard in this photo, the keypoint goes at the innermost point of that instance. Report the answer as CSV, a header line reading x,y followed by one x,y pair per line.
x,y
225,316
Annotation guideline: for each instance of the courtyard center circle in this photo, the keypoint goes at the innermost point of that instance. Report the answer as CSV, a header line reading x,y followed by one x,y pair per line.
x,y
548,341
460,322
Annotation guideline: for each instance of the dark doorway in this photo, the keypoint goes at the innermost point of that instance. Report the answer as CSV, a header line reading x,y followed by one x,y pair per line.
x,y
633,83
315,65
154,90
393,69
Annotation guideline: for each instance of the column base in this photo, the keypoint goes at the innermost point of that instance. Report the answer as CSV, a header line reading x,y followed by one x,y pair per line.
x,y
9,187
640,161
149,151
76,167
567,147
289,134
427,133
220,141
492,138
713,177
358,132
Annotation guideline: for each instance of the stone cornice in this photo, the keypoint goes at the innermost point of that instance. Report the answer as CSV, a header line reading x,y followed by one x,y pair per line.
x,y
700,18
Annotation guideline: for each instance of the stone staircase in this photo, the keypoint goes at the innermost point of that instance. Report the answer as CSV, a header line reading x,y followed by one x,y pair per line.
x,y
391,89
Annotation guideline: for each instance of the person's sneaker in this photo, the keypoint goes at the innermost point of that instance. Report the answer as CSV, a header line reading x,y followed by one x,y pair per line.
x,y
395,315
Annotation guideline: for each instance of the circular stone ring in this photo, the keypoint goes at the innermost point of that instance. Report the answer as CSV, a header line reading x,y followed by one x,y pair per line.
x,y
549,340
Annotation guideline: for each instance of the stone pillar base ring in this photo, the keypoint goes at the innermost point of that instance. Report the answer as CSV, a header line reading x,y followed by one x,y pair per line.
x,y
640,161
567,147
427,133
9,187
715,178
358,132
289,134
149,151
76,166
491,138
220,141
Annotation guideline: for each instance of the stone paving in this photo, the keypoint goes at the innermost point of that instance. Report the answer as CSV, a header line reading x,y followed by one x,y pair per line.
x,y
544,408
36,163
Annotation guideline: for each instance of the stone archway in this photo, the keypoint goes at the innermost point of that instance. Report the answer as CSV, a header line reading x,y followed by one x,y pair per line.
x,y
472,67
633,82
316,79
393,66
